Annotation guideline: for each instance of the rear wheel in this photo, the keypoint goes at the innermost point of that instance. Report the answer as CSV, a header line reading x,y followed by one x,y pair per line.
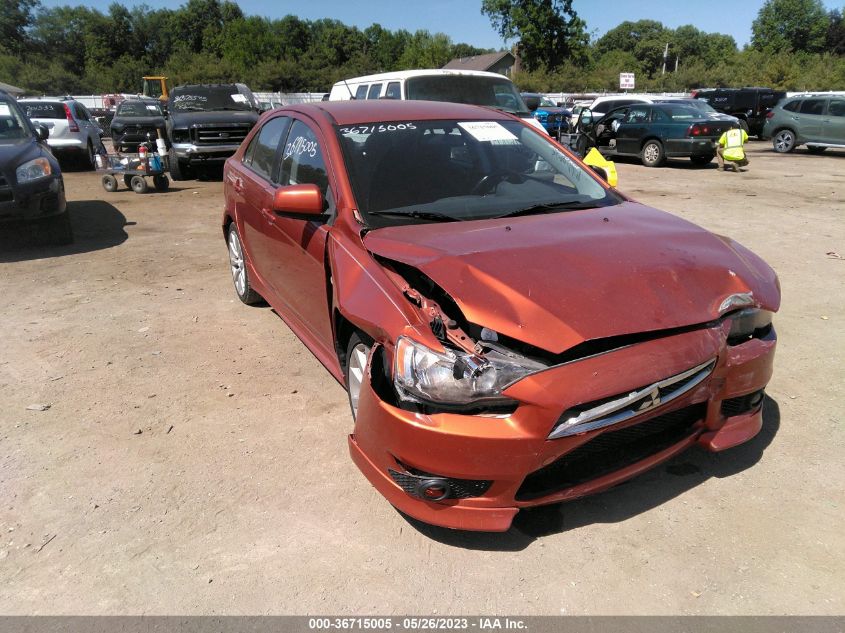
x,y
652,154
237,264
701,160
784,141
743,124
815,149
357,353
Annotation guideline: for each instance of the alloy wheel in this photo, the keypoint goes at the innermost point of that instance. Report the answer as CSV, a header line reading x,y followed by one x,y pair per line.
x,y
784,141
236,262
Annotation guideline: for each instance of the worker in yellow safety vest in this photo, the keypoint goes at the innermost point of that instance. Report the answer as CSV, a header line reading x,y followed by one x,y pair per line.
x,y
729,148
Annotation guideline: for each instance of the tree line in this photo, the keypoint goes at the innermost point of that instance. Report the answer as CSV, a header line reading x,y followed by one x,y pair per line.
x,y
796,45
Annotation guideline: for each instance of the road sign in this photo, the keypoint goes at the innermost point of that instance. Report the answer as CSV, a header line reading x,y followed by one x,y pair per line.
x,y
626,81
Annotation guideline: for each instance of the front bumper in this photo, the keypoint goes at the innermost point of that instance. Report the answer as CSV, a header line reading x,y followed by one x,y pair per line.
x,y
31,201
207,153
514,453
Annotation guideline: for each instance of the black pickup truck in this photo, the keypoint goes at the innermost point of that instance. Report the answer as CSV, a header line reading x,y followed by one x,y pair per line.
x,y
206,124
749,105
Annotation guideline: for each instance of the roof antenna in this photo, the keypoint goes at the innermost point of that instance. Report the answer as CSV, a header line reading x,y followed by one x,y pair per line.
x,y
351,96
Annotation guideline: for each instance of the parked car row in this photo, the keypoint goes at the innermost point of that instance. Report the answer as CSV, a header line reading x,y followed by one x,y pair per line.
x,y
817,121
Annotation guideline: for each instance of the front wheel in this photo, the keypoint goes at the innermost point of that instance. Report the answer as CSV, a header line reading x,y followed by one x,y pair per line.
x,y
784,141
109,183
139,184
178,171
357,354
161,183
237,264
815,149
652,154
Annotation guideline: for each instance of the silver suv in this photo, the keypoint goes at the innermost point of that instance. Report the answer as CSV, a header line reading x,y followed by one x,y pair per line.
x,y
817,121
73,132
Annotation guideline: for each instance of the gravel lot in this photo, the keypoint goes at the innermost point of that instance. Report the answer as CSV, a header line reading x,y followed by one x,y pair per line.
x,y
193,459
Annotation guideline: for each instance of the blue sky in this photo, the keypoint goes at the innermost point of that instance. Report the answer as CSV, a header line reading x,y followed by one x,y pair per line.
x,y
463,22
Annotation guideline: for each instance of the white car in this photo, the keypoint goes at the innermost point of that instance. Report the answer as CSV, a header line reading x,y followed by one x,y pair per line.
x,y
602,105
73,132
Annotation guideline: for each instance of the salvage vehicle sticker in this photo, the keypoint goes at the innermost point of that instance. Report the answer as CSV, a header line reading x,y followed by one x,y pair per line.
x,y
488,131
180,98
238,98
4,110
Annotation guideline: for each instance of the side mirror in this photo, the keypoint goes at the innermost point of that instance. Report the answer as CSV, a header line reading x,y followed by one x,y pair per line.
x,y
42,132
299,200
560,104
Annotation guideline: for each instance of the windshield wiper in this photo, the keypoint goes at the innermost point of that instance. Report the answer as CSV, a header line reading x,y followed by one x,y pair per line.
x,y
548,206
421,215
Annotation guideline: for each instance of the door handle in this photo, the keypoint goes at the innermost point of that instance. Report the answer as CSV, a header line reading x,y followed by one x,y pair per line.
x,y
795,118
268,215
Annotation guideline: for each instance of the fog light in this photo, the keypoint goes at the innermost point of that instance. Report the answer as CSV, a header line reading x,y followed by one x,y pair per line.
x,y
433,489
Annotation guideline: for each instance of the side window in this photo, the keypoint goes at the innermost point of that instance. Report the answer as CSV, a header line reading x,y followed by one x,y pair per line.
x,y
302,158
637,115
658,115
812,106
261,153
792,106
836,107
361,92
393,90
80,112
375,91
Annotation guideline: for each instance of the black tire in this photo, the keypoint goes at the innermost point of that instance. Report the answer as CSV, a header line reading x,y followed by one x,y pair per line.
x,y
178,171
88,160
743,125
161,182
58,230
354,371
652,154
127,180
109,183
783,141
237,265
815,149
581,146
139,184
700,161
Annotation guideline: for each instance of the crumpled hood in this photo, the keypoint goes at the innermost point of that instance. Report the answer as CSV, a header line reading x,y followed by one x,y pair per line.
x,y
556,280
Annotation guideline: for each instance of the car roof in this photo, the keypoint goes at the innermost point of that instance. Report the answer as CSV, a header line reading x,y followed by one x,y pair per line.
x,y
374,110
407,74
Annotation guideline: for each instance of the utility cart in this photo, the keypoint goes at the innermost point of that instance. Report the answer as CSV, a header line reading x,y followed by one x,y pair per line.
x,y
134,169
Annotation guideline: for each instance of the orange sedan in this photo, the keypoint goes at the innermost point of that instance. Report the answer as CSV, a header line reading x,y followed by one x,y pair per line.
x,y
511,331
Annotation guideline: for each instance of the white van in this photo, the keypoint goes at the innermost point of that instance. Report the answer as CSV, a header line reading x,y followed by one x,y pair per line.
x,y
474,87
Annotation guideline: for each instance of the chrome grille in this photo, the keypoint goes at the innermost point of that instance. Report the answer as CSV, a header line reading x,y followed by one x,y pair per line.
x,y
597,415
220,135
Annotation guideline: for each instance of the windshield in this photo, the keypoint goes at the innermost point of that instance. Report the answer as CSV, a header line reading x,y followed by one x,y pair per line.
x,y
44,110
137,108
474,90
428,171
206,98
547,103
13,124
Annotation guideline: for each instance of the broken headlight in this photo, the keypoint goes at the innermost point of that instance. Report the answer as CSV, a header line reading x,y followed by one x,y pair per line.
x,y
745,322
453,377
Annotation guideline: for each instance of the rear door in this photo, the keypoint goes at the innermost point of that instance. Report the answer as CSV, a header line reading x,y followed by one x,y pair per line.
x,y
833,130
252,185
810,119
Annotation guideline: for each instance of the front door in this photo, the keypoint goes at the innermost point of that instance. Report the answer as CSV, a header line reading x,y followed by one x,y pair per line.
x,y
299,245
810,115
632,129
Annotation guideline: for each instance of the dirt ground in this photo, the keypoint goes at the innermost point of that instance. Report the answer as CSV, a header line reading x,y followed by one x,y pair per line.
x,y
194,461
